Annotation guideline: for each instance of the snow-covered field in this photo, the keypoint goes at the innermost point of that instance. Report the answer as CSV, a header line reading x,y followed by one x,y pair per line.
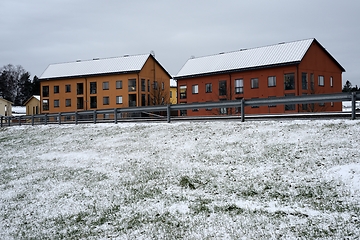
x,y
184,180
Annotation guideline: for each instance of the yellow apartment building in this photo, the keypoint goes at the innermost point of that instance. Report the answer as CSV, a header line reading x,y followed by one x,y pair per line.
x,y
119,82
173,91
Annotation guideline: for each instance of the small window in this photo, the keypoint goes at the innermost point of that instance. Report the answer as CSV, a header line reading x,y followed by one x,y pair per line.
x,y
239,86
119,84
56,89
208,88
148,86
155,85
56,103
80,103
289,81
321,80
195,89
331,82
45,104
68,88
105,85
132,85
92,87
222,88
45,91
80,88
162,85
304,80
182,92
272,81
68,102
312,82
254,83
143,85
119,100
105,100
171,94
93,102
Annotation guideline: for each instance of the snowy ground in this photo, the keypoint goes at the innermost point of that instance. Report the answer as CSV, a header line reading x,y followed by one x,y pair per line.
x,y
197,180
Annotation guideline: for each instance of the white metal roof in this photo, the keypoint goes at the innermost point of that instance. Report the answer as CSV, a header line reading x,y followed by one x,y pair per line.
x,y
127,63
281,53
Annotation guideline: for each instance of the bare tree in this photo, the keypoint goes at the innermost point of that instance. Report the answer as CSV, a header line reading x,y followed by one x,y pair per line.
x,y
159,94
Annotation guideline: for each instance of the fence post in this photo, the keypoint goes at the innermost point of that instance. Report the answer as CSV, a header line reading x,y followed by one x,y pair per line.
x,y
76,118
46,119
32,120
168,113
19,120
353,105
115,115
9,121
59,118
1,121
94,116
242,110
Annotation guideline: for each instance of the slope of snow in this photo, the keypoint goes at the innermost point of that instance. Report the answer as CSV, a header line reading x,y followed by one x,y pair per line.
x,y
188,180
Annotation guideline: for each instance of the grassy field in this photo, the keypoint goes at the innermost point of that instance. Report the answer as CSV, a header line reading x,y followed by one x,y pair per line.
x,y
197,180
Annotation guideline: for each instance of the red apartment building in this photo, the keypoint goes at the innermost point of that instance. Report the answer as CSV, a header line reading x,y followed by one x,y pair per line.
x,y
285,69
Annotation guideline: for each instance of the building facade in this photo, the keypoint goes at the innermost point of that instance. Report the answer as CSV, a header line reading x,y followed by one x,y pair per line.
x,y
128,81
33,105
287,69
173,92
5,107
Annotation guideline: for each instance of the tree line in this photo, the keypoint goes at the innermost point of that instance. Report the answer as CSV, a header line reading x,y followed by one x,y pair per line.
x,y
348,87
16,86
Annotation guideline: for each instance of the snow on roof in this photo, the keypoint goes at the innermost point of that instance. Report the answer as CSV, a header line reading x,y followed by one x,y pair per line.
x,y
281,53
37,97
127,63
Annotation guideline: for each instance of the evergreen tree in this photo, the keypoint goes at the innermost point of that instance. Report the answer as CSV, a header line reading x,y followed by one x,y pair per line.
x,y
347,87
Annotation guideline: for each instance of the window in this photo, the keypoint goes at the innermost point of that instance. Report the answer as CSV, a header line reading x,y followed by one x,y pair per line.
x,y
45,91
132,85
68,102
45,104
304,81
312,82
239,86
56,103
155,85
321,104
56,89
331,82
208,88
92,87
68,88
143,85
162,85
195,89
171,94
148,82
119,100
182,92
272,81
80,103
290,107
222,88
93,102
105,85
105,100
80,88
143,100
119,84
254,83
321,80
289,81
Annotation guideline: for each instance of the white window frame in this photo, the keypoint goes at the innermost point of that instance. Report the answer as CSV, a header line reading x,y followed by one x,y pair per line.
x,y
272,81
321,80
119,100
239,86
195,89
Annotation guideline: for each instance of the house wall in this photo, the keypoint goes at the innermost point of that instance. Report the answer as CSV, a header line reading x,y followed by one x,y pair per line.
x,y
315,62
150,72
5,107
33,106
173,98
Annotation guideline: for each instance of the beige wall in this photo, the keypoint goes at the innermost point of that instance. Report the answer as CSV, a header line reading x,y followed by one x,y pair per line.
x,y
33,106
5,107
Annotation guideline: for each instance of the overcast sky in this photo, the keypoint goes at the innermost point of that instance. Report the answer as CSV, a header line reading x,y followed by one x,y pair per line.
x,y
37,33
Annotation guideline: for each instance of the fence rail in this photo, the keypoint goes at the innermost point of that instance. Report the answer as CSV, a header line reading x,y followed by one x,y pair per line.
x,y
163,112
